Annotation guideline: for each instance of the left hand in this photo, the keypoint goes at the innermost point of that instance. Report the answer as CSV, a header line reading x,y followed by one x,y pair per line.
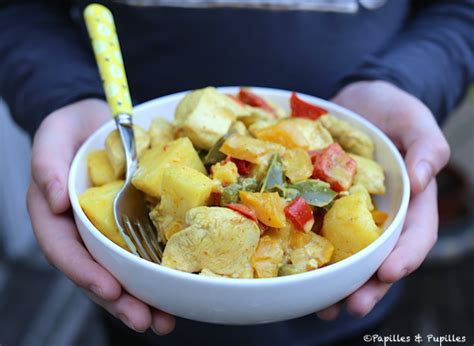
x,y
413,128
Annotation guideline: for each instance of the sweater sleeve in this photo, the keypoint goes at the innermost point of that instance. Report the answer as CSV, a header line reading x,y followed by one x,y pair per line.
x,y
44,63
432,59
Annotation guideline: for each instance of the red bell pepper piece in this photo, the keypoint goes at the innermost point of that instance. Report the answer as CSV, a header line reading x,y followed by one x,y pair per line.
x,y
335,167
303,109
313,154
251,99
244,167
300,214
244,210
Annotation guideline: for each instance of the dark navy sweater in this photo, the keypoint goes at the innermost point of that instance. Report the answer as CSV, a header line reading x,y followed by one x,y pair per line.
x,y
424,47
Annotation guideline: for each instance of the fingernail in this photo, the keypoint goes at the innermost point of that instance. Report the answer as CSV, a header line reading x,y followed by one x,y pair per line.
x,y
53,191
402,274
127,322
423,173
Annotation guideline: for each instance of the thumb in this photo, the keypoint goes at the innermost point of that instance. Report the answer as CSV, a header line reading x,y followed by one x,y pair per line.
x,y
56,143
427,152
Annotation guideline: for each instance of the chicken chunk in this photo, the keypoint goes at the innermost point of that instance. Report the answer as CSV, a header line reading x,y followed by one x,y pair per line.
x,y
206,115
218,239
369,174
351,139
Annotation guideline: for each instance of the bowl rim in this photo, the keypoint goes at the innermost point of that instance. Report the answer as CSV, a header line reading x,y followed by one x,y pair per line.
x,y
244,282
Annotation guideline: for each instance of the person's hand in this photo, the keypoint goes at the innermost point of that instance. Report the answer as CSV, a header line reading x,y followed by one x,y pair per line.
x,y
54,146
412,127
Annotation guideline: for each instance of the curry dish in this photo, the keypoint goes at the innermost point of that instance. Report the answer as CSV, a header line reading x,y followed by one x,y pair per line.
x,y
238,188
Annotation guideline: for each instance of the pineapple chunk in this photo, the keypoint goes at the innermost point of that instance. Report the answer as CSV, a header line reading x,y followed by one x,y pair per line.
x,y
349,226
114,148
206,115
351,139
100,170
250,149
183,188
149,175
97,203
161,132
226,173
369,174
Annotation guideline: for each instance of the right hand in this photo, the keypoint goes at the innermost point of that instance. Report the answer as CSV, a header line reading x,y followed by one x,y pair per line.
x,y
55,144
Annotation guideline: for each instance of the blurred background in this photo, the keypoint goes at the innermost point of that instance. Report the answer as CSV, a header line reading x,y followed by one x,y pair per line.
x,y
39,306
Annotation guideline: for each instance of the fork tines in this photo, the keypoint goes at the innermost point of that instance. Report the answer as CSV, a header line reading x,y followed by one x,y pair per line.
x,y
142,235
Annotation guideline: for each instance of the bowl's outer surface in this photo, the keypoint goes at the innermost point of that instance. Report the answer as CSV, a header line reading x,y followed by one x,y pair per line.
x,y
244,301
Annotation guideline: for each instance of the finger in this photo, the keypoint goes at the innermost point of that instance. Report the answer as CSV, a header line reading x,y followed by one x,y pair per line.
x,y
162,322
132,312
427,152
55,144
330,313
417,238
58,238
361,302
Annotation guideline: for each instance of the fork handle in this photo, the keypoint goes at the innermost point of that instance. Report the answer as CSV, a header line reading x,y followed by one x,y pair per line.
x,y
105,43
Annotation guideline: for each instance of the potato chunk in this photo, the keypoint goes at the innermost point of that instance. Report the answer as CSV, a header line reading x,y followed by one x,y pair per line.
x,y
183,188
351,139
97,203
100,169
161,132
362,191
206,115
349,226
114,149
369,174
149,175
217,239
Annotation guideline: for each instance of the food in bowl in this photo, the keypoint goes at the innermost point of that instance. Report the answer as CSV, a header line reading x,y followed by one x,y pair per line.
x,y
239,188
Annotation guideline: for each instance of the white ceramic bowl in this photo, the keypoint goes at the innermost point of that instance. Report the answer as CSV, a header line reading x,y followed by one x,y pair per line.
x,y
244,301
